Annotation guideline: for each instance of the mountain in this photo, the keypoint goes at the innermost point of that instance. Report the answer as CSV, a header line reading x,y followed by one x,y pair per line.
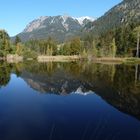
x,y
84,20
59,27
125,12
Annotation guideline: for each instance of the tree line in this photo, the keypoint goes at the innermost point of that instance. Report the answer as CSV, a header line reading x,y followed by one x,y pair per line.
x,y
120,42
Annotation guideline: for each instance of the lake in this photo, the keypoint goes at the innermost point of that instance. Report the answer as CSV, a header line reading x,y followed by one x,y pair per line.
x,y
69,101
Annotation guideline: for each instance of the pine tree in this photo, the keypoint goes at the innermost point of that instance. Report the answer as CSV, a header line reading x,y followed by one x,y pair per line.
x,y
17,40
4,43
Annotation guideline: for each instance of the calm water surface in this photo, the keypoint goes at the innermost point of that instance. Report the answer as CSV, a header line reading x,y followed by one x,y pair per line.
x,y
69,101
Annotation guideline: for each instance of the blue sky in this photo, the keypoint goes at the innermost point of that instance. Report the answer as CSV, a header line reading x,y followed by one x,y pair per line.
x,y
16,14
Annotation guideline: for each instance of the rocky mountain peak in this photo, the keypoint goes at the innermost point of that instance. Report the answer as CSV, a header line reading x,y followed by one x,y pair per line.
x,y
84,19
64,20
61,27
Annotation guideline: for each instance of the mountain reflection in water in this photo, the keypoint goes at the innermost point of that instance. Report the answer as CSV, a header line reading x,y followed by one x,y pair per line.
x,y
118,85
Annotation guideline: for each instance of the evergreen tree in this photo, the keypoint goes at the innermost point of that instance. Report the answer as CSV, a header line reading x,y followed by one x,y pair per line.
x,y
4,43
17,40
75,46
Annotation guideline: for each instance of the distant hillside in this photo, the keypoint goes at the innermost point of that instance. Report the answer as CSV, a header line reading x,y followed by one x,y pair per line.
x,y
126,12
59,27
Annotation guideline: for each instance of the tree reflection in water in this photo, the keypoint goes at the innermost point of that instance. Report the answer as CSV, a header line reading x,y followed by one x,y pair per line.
x,y
119,85
5,71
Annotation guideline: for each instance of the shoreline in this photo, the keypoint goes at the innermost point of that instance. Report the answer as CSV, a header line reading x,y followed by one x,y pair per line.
x,y
117,60
108,59
59,58
62,58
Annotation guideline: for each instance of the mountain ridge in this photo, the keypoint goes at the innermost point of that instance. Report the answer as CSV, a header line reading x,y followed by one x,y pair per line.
x,y
59,27
123,13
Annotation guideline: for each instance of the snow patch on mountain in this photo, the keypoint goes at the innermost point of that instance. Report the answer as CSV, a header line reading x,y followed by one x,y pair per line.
x,y
81,19
66,21
66,26
65,17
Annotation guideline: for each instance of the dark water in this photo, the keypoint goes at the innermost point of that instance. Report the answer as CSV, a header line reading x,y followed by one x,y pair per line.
x,y
69,101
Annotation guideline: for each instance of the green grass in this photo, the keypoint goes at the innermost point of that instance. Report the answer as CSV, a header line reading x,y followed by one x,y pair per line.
x,y
131,60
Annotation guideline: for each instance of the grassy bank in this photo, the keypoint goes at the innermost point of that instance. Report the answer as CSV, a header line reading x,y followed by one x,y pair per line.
x,y
132,60
108,59
97,60
16,58
117,60
58,58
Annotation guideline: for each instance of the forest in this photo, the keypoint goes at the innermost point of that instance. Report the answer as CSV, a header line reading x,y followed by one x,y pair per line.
x,y
119,42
